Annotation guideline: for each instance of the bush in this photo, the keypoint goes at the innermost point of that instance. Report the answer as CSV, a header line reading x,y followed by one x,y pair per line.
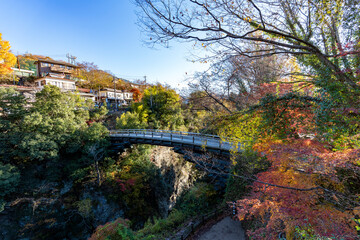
x,y
9,179
130,120
199,199
118,229
174,219
85,207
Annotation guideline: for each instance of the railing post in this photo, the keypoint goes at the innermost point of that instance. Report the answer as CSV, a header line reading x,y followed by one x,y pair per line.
x,y
234,208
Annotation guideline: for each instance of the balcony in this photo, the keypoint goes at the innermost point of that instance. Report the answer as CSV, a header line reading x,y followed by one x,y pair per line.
x,y
60,69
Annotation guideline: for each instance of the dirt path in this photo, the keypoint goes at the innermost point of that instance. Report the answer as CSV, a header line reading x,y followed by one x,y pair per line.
x,y
226,229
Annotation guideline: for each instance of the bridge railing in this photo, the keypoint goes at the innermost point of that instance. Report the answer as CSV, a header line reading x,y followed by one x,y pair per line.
x,y
206,139
142,131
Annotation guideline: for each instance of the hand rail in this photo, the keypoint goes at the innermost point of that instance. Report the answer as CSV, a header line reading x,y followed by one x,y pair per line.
x,y
196,223
171,131
206,139
162,131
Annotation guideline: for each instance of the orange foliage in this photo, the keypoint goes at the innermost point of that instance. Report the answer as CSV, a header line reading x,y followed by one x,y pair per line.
x,y
299,164
279,89
137,95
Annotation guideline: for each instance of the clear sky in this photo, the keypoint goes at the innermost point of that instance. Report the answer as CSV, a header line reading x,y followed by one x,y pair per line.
x,y
99,31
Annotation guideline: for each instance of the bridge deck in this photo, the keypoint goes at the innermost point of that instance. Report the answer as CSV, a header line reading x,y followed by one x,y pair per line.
x,y
194,139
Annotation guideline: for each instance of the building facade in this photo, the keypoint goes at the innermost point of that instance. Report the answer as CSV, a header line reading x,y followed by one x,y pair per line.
x,y
111,98
57,73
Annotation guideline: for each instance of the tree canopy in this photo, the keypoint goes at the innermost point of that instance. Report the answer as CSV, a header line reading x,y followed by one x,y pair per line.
x,y
7,59
285,76
320,33
93,77
159,108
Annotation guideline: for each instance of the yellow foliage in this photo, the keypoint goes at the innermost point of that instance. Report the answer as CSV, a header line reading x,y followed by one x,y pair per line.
x,y
7,59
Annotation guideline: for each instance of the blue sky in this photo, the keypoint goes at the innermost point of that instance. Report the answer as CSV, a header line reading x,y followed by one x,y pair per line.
x,y
99,31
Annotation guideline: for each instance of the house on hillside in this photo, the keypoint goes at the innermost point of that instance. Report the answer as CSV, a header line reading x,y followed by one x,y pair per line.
x,y
110,98
58,73
18,76
87,94
19,72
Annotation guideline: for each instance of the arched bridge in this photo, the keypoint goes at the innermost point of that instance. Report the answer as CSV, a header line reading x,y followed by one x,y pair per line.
x,y
196,141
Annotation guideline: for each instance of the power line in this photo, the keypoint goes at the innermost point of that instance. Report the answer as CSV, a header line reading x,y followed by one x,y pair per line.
x,y
129,76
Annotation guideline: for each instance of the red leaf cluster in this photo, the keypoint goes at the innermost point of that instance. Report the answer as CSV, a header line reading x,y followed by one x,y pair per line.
x,y
300,164
125,184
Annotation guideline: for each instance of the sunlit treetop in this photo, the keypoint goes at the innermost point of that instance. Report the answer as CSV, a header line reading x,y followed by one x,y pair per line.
x,y
7,59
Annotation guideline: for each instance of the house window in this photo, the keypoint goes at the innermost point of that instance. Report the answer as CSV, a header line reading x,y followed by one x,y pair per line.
x,y
62,66
44,64
69,67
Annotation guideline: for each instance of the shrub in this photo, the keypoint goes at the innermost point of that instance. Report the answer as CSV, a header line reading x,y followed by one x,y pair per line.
x,y
9,179
118,229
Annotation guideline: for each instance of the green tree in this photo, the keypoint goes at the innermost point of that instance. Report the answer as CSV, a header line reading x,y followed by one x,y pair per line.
x,y
96,143
12,111
163,106
54,119
98,114
160,108
9,179
130,120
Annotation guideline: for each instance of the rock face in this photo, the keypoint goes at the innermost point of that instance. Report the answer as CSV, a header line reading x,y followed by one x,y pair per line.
x,y
102,210
69,210
177,173
61,217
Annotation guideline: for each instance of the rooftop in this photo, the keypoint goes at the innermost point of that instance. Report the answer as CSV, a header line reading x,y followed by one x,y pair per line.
x,y
112,90
54,78
45,60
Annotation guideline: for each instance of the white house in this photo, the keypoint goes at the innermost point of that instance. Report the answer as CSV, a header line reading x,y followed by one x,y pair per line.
x,y
110,97
62,83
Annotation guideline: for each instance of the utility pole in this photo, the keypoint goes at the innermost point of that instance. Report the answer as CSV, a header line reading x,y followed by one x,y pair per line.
x,y
116,105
